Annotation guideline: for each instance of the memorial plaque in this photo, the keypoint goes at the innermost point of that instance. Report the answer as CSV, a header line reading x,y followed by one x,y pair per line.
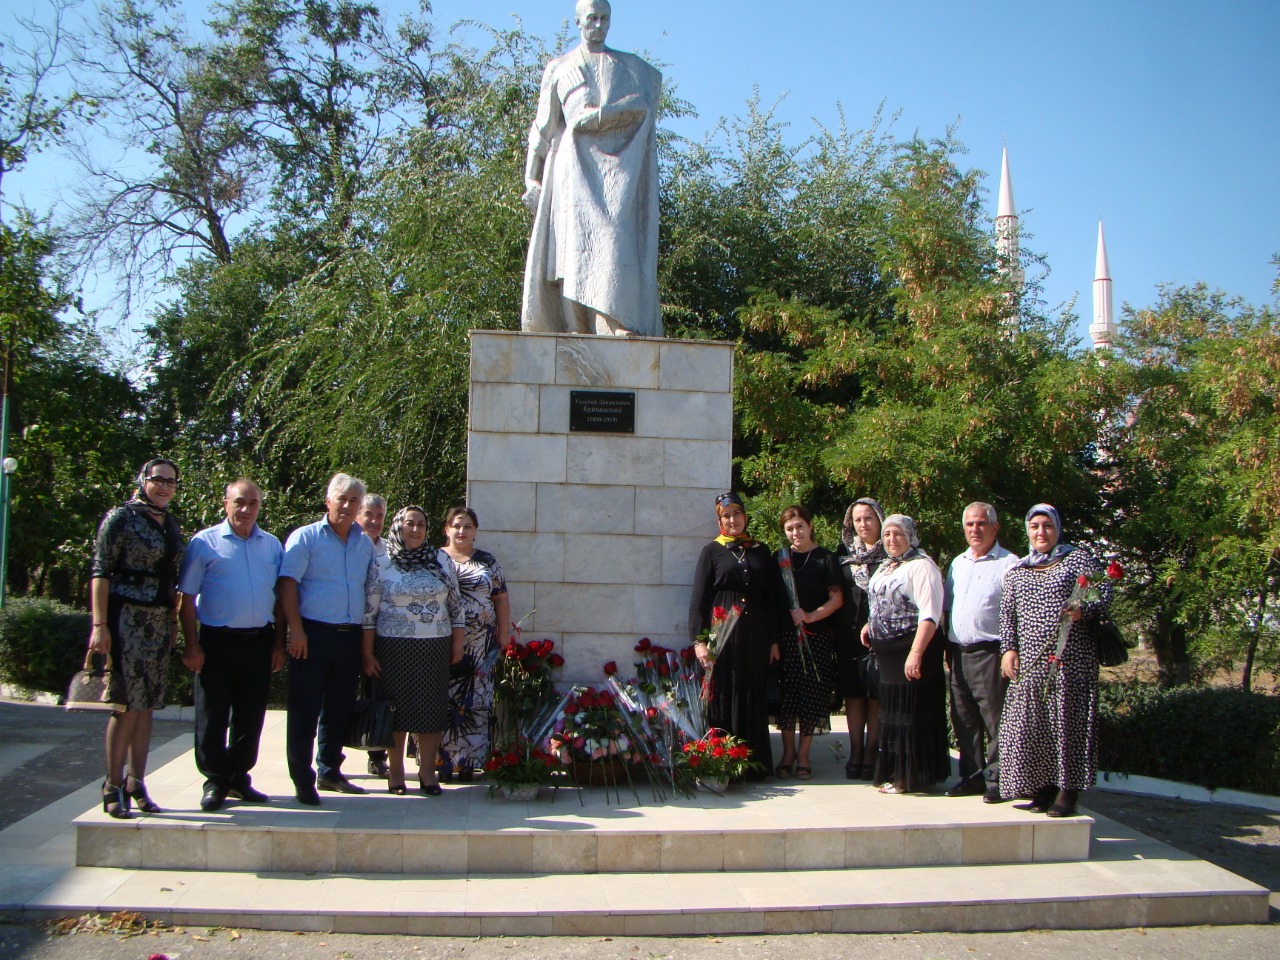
x,y
599,411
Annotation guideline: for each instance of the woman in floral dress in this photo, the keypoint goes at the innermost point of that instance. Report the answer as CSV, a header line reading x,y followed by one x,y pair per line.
x,y
488,613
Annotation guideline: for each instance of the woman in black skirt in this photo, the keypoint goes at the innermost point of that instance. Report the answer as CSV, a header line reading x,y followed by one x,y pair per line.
x,y
808,653
906,604
860,554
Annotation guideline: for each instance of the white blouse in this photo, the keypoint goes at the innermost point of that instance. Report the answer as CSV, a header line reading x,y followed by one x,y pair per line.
x,y
422,603
904,596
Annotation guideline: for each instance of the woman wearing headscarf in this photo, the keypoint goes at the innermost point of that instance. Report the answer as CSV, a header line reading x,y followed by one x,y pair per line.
x,y
413,631
1048,731
906,605
860,554
736,571
134,602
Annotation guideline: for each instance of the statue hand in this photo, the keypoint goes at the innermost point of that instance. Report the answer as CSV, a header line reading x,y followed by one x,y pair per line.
x,y
532,194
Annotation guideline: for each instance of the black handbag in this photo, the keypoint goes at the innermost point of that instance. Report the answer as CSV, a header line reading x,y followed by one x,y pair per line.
x,y
1112,650
90,687
373,719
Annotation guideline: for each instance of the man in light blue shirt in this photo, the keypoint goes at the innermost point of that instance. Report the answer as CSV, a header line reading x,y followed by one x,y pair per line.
x,y
228,583
974,583
321,591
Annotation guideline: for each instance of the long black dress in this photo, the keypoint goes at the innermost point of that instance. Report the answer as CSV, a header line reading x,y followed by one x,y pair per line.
x,y
809,672
748,577
857,675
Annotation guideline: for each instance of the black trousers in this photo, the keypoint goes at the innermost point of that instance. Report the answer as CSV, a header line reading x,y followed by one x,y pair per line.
x,y
977,699
231,702
322,691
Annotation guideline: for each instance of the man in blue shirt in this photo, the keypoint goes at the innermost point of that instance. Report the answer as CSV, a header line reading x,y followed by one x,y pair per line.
x,y
972,601
321,591
228,583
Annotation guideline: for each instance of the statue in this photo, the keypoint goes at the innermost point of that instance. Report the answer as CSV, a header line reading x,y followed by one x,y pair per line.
x,y
592,185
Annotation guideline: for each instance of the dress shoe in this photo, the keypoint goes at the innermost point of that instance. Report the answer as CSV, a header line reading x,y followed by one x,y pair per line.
x,y
992,794
964,788
853,770
213,799
308,796
337,785
248,794
378,767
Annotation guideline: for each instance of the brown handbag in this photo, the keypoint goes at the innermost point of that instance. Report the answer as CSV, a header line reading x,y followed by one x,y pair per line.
x,y
89,688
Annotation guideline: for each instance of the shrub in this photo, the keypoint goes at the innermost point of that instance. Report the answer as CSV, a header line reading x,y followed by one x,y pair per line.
x,y
1212,737
42,643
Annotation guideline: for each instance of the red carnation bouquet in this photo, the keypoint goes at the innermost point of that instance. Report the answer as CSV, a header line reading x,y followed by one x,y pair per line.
x,y
1086,589
717,756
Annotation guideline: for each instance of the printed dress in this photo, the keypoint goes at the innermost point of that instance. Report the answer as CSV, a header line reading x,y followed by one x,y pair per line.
x,y
1048,731
809,672
466,742
141,559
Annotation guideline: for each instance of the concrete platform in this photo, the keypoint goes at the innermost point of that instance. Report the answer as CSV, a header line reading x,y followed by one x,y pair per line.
x,y
786,857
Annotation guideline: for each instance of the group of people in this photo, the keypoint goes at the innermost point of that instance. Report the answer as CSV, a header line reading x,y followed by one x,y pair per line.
x,y
336,600
875,624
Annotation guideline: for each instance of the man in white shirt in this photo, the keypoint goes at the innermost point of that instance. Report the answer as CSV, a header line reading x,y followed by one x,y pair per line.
x,y
973,587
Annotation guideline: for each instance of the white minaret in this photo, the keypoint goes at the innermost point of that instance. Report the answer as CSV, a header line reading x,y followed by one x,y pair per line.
x,y
1103,329
1007,236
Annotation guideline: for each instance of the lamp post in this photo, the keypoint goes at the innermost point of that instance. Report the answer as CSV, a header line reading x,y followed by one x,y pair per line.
x,y
10,467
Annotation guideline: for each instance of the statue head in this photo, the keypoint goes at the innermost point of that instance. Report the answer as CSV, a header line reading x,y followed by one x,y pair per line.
x,y
592,20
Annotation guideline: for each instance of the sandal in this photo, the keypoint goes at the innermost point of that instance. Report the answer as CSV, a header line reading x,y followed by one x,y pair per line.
x,y
1064,805
893,789
139,796
804,773
115,802
396,788
783,770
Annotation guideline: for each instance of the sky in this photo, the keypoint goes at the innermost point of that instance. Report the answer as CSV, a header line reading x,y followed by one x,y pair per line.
x,y
1158,119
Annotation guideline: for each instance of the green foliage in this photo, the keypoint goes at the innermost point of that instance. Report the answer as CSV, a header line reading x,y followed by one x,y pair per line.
x,y
42,644
1221,739
1195,454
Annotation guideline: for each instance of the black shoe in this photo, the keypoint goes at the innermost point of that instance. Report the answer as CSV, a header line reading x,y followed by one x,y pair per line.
x,y
139,796
213,799
992,794
1041,802
852,771
337,785
248,794
308,796
964,788
378,767
466,774
115,802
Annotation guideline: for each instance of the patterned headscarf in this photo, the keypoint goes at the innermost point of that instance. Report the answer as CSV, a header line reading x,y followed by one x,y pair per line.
x,y
858,555
1060,549
908,527
402,558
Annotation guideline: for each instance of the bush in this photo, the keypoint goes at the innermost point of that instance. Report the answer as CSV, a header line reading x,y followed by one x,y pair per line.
x,y
42,643
1212,737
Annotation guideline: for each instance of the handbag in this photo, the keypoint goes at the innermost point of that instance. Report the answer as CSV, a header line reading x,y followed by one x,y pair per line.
x,y
90,687
373,718
1112,650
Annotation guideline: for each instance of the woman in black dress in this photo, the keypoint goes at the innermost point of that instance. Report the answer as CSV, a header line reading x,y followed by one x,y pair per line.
x,y
134,601
808,653
734,570
860,554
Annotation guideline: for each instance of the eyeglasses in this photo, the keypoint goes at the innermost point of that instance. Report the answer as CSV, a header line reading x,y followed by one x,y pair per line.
x,y
163,481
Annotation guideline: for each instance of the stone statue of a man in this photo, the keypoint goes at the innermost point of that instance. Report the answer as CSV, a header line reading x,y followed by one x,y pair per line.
x,y
592,185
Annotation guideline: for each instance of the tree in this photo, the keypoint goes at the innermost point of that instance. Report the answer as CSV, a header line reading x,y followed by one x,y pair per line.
x,y
1195,483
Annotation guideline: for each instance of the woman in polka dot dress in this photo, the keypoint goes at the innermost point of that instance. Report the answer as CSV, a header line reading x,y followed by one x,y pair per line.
x,y
1048,731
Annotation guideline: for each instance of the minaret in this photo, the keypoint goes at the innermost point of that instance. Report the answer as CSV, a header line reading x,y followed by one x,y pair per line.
x,y
1007,238
1103,329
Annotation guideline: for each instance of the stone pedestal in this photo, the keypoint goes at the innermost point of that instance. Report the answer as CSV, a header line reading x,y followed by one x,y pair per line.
x,y
599,531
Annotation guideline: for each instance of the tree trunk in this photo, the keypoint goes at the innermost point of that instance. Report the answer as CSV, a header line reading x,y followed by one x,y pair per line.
x,y
1170,641
1246,678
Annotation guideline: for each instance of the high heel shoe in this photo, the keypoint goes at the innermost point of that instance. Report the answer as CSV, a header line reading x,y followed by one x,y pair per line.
x,y
139,795
115,802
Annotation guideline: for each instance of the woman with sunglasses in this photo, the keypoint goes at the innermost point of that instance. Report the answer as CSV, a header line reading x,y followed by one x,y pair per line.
x,y
134,602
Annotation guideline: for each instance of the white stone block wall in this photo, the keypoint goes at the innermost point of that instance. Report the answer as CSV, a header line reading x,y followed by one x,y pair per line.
x,y
599,532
